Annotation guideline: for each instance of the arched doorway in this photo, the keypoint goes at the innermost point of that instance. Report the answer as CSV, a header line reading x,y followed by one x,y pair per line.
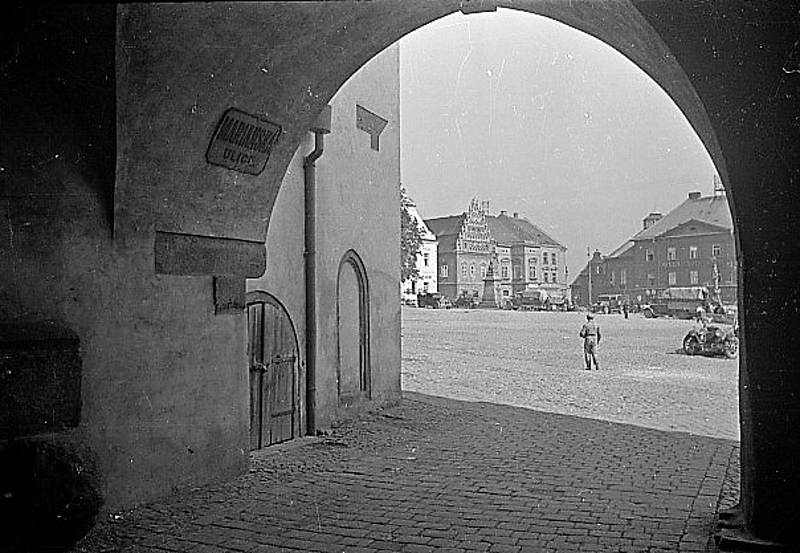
x,y
272,353
352,317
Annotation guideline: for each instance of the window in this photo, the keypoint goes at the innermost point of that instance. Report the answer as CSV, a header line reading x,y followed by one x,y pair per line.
x,y
504,271
505,292
672,279
611,278
716,250
472,270
544,258
425,259
545,277
672,255
597,269
692,252
443,271
533,273
648,255
553,277
464,270
694,278
623,277
483,270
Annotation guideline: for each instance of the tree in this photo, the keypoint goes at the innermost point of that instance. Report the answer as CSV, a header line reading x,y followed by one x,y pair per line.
x,y
410,240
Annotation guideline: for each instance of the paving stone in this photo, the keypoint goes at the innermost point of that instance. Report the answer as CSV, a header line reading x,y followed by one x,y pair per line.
x,y
472,488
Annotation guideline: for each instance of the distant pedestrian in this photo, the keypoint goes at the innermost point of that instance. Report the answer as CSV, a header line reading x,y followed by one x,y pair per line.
x,y
625,309
590,332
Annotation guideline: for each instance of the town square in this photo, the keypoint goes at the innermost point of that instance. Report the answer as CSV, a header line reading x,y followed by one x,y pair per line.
x,y
535,360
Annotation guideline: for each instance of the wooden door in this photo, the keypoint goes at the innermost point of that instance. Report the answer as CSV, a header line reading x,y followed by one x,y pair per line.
x,y
273,356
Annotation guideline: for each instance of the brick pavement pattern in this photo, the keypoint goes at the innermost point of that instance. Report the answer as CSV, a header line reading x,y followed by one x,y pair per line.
x,y
435,474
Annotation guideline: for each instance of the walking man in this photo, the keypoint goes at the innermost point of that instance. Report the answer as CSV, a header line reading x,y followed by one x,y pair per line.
x,y
590,332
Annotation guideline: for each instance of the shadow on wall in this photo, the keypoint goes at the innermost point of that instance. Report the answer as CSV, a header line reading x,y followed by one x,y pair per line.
x,y
49,495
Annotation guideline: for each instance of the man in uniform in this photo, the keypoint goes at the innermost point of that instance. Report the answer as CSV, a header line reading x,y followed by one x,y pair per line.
x,y
590,332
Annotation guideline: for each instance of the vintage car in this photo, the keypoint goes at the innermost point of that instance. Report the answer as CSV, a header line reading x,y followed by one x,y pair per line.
x,y
433,300
608,303
467,301
712,340
559,303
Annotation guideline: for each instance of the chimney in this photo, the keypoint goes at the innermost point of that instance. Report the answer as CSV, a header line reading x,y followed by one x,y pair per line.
x,y
694,195
516,215
504,213
651,219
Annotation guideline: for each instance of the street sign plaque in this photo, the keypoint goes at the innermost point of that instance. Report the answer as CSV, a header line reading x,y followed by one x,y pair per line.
x,y
242,142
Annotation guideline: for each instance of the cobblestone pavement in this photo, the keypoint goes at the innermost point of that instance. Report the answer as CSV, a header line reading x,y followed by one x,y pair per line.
x,y
512,469
535,360
436,474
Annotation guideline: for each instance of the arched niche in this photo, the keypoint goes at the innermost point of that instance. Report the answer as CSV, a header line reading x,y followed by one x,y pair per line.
x,y
352,330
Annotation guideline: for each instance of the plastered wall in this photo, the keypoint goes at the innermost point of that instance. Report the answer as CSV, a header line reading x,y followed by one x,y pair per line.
x,y
350,176
358,199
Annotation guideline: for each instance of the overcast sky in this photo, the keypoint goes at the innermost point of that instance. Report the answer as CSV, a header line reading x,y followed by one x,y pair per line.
x,y
540,118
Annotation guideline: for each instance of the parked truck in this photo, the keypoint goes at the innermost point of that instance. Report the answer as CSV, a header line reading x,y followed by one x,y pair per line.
x,y
531,300
682,302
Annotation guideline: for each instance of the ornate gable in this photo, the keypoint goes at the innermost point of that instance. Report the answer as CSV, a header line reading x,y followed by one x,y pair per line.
x,y
474,235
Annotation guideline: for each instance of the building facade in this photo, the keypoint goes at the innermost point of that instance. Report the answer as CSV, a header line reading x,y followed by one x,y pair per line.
x,y
522,255
355,312
692,245
427,274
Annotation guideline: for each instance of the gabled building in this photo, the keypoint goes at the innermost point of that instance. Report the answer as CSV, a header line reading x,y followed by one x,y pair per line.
x,y
426,280
464,250
522,254
692,245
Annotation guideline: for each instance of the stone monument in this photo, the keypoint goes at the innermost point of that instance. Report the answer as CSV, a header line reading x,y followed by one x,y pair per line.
x,y
490,287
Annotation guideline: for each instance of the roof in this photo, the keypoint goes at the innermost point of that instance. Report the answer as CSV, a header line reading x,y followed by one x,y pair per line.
x,y
502,228
442,226
506,230
411,207
621,250
709,209
424,231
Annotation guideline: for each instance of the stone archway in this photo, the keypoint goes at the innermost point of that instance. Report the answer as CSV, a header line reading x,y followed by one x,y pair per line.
x,y
173,70
731,69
